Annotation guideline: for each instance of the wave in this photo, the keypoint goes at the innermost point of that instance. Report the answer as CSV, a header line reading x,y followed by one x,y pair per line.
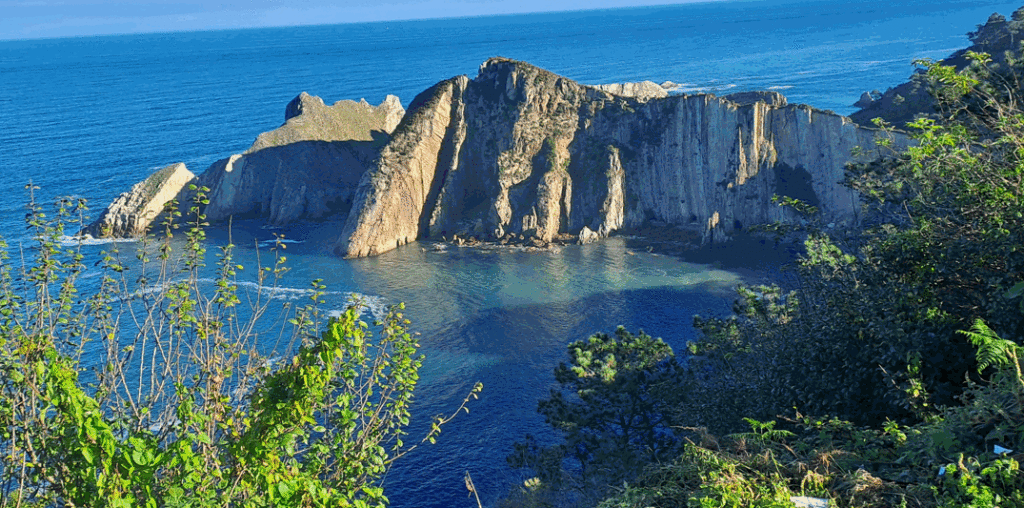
x,y
780,87
376,305
270,243
72,241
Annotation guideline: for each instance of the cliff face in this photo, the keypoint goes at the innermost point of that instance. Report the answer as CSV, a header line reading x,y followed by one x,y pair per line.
x,y
131,213
307,168
522,151
391,198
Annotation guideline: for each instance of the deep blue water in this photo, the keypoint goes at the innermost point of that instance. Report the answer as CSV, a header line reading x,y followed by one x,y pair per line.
x,y
90,116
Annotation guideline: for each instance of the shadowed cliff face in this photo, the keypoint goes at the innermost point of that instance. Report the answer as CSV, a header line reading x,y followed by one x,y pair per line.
x,y
307,168
523,151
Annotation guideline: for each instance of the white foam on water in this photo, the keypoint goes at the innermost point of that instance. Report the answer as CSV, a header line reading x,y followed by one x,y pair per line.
x,y
73,241
780,87
377,305
271,243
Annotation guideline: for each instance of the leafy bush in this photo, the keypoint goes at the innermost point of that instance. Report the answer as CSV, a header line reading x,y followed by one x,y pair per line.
x,y
615,410
897,330
153,392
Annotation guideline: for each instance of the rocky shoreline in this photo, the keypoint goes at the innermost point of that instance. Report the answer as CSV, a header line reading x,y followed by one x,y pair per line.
x,y
521,156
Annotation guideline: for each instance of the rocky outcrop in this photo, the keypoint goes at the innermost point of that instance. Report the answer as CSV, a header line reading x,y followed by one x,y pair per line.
x,y
307,168
521,155
390,201
642,90
523,151
132,213
748,98
903,103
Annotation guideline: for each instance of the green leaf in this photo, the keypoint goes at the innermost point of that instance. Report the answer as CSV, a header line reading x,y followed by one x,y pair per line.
x,y
89,454
285,490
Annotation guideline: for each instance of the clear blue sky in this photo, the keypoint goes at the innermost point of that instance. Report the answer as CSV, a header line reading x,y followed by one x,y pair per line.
x,y
29,19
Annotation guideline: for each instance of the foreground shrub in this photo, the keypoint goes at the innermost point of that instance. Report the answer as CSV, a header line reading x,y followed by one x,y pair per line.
x,y
153,391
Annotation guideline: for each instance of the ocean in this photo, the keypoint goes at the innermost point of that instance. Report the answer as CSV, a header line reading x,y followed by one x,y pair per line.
x,y
91,116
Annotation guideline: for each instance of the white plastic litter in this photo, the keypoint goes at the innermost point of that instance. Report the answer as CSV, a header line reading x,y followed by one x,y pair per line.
x,y
999,450
942,471
809,502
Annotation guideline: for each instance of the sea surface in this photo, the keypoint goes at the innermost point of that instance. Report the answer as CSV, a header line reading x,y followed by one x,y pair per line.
x,y
91,116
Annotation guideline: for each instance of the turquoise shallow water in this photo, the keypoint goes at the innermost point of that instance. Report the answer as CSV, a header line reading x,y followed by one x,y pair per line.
x,y
91,116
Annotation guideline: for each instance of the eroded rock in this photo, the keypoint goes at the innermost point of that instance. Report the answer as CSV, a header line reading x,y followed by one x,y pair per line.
x,y
525,152
133,212
306,169
642,90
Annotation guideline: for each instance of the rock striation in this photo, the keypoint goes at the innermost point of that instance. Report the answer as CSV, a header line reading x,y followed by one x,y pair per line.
x,y
131,213
307,168
521,151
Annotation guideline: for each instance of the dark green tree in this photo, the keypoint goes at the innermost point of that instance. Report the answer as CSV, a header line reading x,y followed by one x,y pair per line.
x,y
615,408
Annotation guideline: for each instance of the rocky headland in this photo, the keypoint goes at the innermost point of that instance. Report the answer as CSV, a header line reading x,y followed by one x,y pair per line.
x,y
519,155
308,168
905,102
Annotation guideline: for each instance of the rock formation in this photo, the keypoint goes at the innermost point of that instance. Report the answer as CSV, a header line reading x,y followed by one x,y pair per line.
x,y
307,168
642,90
131,213
521,150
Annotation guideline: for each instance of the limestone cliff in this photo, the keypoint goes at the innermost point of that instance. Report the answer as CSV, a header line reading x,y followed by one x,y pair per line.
x,y
307,168
519,150
131,213
642,90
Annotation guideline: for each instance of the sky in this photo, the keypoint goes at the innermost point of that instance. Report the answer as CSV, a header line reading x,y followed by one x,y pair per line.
x,y
31,19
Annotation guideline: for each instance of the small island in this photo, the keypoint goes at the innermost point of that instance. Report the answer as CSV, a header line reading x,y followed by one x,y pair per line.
x,y
519,155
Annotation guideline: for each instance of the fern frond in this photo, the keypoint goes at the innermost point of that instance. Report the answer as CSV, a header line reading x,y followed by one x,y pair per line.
x,y
992,350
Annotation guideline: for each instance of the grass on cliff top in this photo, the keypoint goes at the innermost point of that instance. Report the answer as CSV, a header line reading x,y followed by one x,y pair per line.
x,y
344,121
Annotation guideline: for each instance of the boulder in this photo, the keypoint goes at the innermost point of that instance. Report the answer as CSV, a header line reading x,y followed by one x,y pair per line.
x,y
587,236
865,101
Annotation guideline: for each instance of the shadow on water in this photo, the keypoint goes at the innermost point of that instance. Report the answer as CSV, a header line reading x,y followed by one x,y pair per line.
x,y
513,351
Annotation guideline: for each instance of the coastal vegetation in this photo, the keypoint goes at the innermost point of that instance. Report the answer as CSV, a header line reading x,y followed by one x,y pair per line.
x,y
885,372
160,389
